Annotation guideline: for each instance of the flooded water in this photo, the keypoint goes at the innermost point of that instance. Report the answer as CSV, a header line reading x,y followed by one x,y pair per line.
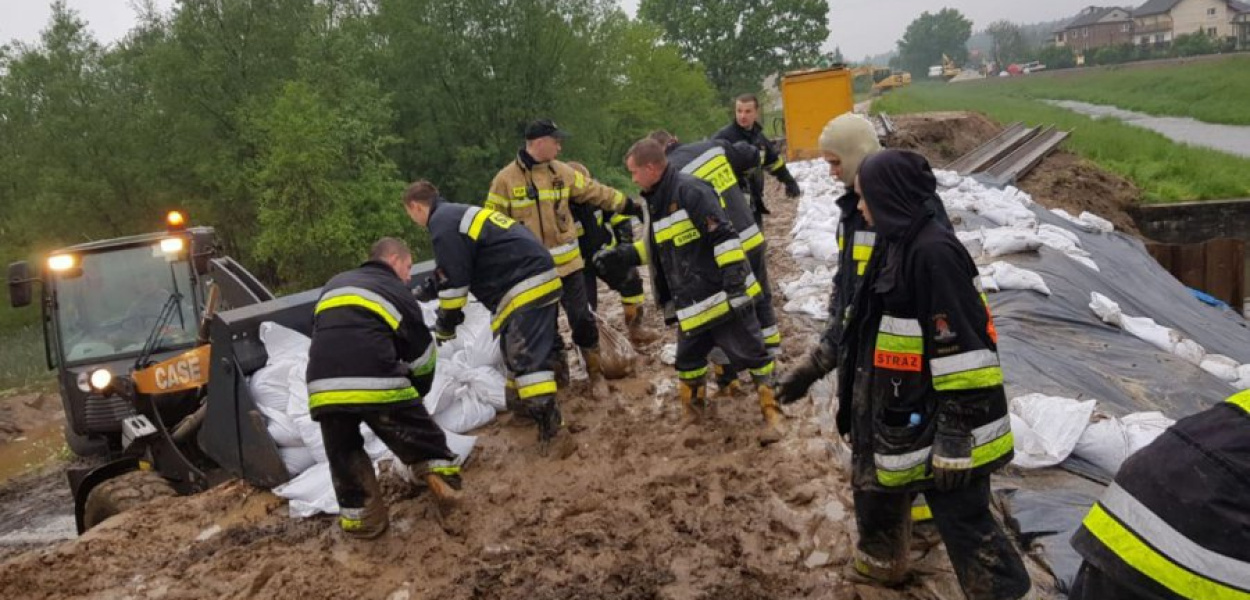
x,y
32,450
1233,139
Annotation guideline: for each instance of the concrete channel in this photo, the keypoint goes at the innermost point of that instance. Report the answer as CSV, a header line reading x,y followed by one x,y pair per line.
x,y
1232,139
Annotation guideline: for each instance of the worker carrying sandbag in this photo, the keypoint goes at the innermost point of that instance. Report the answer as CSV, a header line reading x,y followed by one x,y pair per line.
x,y
485,252
700,276
1176,521
370,360
928,410
746,128
721,164
598,229
536,190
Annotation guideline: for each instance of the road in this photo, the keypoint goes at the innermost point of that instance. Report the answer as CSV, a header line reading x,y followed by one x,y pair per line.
x,y
1232,139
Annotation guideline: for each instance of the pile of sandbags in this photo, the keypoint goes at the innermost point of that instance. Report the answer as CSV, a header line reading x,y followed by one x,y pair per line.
x,y
1048,429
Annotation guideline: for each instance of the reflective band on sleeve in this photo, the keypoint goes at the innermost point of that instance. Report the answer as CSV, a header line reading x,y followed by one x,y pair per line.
x,y
670,227
494,200
777,164
703,312
466,221
360,298
541,383
751,237
319,399
453,299
990,442
1154,548
566,253
528,291
865,238
967,371
424,365
728,253
698,373
899,326
1241,400
644,257
965,361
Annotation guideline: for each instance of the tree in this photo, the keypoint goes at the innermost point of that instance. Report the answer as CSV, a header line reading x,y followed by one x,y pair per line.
x,y
740,42
1057,57
930,36
1007,42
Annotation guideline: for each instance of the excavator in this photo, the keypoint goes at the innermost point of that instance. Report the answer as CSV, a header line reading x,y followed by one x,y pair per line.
x,y
948,70
884,79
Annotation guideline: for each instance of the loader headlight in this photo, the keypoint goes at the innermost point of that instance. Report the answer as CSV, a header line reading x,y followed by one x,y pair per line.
x,y
101,379
172,245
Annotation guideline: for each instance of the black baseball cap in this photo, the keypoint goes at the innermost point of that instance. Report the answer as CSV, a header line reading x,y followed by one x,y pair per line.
x,y
544,128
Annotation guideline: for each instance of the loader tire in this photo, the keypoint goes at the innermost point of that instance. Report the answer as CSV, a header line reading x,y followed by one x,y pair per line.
x,y
122,493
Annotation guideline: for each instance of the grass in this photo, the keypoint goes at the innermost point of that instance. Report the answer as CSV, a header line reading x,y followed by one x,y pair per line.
x,y
1164,170
1215,91
22,363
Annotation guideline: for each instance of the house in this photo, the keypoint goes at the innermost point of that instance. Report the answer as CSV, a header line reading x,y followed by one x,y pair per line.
x,y
1096,27
1160,21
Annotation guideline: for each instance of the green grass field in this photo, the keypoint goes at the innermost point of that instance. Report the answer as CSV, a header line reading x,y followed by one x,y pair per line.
x,y
1164,170
22,363
1215,90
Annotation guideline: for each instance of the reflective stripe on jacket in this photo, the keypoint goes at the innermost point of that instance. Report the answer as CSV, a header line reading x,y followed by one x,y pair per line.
x,y
370,346
1176,522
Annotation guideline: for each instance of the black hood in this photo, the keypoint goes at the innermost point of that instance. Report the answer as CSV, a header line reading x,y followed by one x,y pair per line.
x,y
899,188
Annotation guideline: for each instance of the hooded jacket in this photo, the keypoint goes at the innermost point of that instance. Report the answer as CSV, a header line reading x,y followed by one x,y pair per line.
x,y
537,195
921,345
773,162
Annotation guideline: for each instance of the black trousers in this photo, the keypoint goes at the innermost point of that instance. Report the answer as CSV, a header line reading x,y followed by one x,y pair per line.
x,y
1094,584
576,304
764,302
628,287
408,431
527,340
987,565
738,337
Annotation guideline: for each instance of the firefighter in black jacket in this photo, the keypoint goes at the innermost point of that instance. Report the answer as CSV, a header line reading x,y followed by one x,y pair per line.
x,y
928,410
700,277
746,128
512,274
597,230
370,361
1176,522
721,164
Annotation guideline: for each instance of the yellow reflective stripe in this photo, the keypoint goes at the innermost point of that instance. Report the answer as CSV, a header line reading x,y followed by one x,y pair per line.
x,y
921,513
754,290
475,228
1146,560
898,343
494,200
777,164
644,257
350,524
579,180
861,253
319,399
446,471
753,242
918,460
860,268
1241,400
565,254
674,230
546,388
969,380
730,257
618,218
717,172
360,302
716,311
765,370
639,299
698,373
427,366
522,299
773,340
453,303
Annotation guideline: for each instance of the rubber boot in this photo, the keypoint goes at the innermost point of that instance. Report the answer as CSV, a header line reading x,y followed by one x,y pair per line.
x,y
866,570
444,489
693,394
726,382
546,415
512,400
594,371
773,429
368,522
638,334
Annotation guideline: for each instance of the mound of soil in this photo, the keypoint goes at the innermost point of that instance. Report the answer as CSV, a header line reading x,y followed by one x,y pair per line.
x,y
942,136
22,413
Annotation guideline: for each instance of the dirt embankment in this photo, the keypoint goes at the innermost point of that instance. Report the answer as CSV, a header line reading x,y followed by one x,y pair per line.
x,y
642,508
1063,180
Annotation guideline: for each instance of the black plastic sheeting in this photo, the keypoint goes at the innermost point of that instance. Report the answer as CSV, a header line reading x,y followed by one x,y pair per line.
x,y
1056,345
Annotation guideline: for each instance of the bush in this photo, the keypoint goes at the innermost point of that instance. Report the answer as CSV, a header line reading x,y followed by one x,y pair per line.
x,y
1057,57
1193,44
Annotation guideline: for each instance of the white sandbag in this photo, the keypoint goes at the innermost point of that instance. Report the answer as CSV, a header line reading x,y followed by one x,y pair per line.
x,y
1046,428
296,459
668,354
466,414
1056,231
824,248
309,493
1011,216
1106,309
1243,373
1221,366
281,428
816,307
1242,383
973,241
1187,349
1153,333
1060,239
1096,223
947,179
1086,261
1011,277
1002,241
1108,441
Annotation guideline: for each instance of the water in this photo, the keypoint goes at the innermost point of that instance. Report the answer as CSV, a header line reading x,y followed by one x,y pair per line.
x,y
32,450
1233,139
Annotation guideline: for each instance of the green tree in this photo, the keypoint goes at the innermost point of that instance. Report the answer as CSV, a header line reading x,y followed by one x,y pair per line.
x,y
1057,57
1007,42
740,42
930,36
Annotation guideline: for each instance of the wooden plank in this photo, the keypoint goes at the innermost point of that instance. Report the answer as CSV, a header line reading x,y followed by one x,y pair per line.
x,y
1225,270
1191,269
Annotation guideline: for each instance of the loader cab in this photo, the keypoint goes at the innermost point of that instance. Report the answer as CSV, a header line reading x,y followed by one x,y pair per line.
x,y
105,306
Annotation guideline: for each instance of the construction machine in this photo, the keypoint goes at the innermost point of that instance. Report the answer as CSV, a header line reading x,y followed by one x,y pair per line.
x,y
883,79
809,99
948,70
152,338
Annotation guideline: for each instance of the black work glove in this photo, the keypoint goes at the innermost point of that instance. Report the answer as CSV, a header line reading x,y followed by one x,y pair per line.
x,y
427,290
817,363
952,459
446,323
792,187
634,207
624,231
616,260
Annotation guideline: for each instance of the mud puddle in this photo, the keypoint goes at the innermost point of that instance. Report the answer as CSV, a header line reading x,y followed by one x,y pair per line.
x,y
30,451
1233,139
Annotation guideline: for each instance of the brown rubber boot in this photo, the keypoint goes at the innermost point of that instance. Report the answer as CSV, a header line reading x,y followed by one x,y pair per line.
x,y
365,523
694,404
726,383
441,487
594,370
638,334
865,570
773,428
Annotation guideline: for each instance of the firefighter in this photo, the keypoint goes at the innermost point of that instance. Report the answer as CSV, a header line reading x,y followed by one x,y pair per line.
x,y
485,252
700,277
928,410
370,361
1176,521
597,230
721,163
746,128
535,189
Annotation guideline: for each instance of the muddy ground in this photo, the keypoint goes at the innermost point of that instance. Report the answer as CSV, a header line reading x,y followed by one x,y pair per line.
x,y
642,508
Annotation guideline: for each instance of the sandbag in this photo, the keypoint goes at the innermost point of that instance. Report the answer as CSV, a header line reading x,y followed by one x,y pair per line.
x,y
1108,441
616,353
1001,241
1046,428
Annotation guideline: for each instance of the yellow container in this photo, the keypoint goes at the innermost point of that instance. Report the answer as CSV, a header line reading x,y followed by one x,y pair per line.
x,y
809,100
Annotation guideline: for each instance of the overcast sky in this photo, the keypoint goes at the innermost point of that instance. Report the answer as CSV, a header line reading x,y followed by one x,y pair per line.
x,y
859,27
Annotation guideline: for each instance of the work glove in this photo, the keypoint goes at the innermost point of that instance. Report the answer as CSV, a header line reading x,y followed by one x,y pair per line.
x,y
624,231
616,260
446,323
952,459
792,187
426,291
634,207
817,363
